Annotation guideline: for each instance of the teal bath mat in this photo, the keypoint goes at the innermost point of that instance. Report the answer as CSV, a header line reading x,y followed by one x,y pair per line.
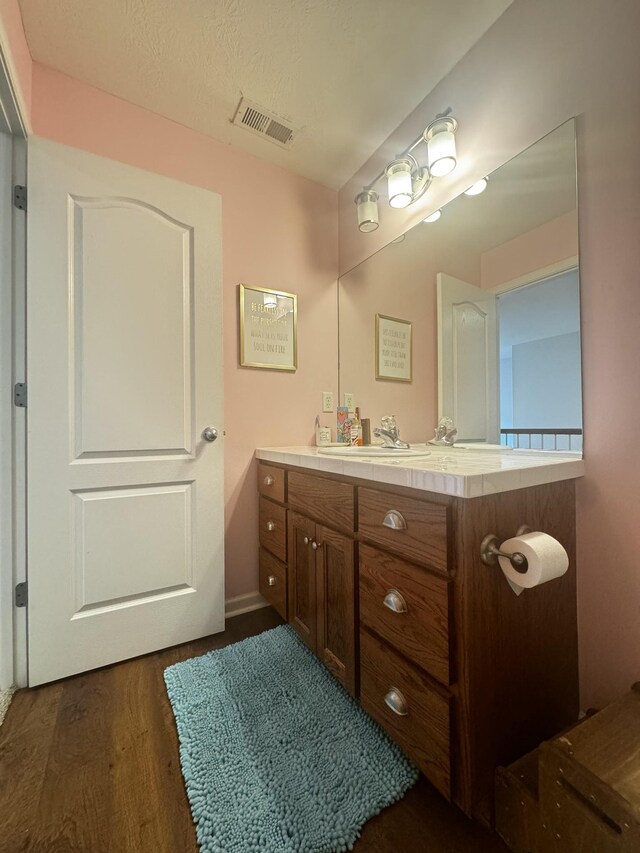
x,y
276,756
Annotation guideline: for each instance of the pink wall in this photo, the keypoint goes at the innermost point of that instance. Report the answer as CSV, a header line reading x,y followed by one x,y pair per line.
x,y
540,64
278,230
536,250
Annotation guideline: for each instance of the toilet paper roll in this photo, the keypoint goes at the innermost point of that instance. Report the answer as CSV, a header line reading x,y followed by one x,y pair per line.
x,y
546,560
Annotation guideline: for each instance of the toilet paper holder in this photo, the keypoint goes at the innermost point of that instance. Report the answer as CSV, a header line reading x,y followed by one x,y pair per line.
x,y
490,550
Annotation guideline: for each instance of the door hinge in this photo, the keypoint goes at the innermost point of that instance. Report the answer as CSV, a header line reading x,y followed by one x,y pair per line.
x,y
20,197
20,395
22,594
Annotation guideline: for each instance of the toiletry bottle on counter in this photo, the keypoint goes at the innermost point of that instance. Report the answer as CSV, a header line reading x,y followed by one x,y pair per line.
x,y
356,430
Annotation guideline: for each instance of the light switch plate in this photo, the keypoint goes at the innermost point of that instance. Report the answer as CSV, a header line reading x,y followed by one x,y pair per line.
x,y
327,401
350,401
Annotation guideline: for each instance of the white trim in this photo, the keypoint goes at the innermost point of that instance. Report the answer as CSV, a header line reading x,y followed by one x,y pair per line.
x,y
20,650
244,604
536,275
13,102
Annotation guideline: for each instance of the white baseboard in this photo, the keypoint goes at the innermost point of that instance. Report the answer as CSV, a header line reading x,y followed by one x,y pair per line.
x,y
244,604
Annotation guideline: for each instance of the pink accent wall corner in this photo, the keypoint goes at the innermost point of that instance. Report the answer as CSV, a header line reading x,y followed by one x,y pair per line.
x,y
16,53
279,230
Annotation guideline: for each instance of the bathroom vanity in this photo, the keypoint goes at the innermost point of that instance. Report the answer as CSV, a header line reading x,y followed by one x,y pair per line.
x,y
376,564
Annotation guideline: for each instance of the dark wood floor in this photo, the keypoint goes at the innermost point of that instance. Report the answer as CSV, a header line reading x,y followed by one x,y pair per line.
x,y
90,765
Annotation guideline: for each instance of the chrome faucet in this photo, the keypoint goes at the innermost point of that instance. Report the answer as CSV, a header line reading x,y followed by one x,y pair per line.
x,y
390,434
445,433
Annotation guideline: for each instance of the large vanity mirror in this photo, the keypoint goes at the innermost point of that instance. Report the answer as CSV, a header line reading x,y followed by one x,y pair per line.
x,y
491,290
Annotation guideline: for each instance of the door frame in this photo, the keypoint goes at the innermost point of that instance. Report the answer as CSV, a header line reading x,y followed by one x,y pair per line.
x,y
13,569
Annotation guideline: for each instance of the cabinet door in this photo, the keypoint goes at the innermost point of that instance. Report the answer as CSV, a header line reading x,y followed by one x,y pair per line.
x,y
336,605
302,579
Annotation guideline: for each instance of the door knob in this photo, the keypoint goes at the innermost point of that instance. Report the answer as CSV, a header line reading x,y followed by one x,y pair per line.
x,y
209,433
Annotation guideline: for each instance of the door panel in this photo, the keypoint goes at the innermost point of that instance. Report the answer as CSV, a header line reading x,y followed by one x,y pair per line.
x,y
302,579
468,388
124,351
336,605
137,292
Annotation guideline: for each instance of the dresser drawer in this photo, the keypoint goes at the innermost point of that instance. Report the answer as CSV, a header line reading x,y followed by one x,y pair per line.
x,y
273,528
271,482
407,606
273,582
421,722
327,501
417,529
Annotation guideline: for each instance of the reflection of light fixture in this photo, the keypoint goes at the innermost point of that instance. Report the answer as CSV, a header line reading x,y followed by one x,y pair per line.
x,y
270,300
399,239
407,180
441,145
367,202
434,216
477,188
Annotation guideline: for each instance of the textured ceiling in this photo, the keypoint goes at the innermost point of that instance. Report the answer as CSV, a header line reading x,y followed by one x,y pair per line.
x,y
346,72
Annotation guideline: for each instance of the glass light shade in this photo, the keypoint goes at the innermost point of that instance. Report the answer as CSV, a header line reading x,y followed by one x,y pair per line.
x,y
441,146
434,216
399,183
477,188
367,202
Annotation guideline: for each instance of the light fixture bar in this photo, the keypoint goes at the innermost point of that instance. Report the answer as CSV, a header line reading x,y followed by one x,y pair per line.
x,y
407,179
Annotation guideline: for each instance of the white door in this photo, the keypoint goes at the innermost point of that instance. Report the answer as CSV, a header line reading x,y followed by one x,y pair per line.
x,y
468,385
124,370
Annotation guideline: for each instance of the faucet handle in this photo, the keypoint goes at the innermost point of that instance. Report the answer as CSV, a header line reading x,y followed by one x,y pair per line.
x,y
389,423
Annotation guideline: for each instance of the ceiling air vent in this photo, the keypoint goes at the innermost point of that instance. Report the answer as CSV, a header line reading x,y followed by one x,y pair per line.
x,y
263,123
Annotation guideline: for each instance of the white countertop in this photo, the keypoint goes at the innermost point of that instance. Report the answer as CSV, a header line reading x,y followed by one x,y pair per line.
x,y
447,471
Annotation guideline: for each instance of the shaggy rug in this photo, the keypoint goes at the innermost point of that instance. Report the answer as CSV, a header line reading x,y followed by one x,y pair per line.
x,y
5,700
276,756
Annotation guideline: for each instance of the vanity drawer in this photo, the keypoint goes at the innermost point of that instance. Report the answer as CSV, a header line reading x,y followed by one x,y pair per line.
x,y
273,528
408,607
327,501
273,582
271,481
415,528
421,722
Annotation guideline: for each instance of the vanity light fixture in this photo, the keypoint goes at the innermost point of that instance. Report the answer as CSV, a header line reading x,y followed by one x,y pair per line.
x,y
440,137
477,188
434,216
367,202
407,180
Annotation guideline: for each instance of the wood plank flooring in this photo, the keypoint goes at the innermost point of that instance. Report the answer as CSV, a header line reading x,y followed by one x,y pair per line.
x,y
90,765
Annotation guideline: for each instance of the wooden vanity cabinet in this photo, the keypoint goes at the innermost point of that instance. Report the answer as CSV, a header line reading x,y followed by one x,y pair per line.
x,y
463,674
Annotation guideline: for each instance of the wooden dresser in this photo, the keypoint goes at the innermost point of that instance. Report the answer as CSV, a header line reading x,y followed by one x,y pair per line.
x,y
385,584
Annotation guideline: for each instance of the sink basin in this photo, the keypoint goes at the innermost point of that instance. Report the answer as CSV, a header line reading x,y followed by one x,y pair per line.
x,y
375,450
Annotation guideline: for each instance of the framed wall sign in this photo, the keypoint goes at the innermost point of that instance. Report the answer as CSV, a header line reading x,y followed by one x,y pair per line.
x,y
393,349
268,328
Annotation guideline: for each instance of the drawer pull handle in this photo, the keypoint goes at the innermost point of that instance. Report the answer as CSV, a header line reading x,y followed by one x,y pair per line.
x,y
396,702
394,520
268,480
271,580
271,525
395,602
306,540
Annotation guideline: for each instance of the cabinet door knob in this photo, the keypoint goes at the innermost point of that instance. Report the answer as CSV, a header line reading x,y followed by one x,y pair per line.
x,y
306,540
396,702
394,520
271,525
395,602
268,480
315,545
271,580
